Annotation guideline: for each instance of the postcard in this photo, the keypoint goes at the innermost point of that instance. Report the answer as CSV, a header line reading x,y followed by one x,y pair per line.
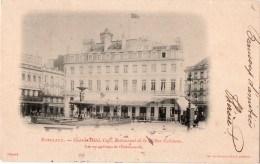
x,y
130,81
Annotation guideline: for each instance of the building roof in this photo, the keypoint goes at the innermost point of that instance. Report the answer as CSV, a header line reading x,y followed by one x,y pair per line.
x,y
139,44
202,62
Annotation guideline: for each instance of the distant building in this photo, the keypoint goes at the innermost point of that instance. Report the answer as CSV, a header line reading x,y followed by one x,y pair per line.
x,y
42,89
199,85
31,84
127,78
53,91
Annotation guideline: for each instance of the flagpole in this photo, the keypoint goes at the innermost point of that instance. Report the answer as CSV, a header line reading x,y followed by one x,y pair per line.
x,y
129,27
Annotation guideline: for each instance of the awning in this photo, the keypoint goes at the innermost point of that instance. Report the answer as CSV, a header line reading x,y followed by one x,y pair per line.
x,y
31,102
112,102
183,103
121,98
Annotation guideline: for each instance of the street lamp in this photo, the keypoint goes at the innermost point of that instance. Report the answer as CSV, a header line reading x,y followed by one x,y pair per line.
x,y
189,106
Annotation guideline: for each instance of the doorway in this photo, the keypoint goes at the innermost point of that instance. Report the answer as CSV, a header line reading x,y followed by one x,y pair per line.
x,y
124,111
142,113
162,114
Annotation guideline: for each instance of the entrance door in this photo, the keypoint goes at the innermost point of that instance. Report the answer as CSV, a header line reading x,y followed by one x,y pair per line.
x,y
142,113
106,110
162,113
124,111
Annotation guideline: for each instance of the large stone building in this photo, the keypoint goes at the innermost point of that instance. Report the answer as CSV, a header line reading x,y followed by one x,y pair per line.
x,y
199,86
128,78
42,89
31,84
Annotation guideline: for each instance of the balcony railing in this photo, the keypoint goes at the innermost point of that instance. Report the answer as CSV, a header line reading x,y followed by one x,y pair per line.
x,y
32,98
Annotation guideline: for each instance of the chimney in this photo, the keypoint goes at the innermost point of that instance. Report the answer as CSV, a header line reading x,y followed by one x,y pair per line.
x,y
106,38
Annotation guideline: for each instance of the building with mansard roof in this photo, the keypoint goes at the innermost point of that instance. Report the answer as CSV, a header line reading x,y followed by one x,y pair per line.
x,y
136,78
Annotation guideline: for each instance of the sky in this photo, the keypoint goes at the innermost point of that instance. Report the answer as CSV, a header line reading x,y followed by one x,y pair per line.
x,y
52,34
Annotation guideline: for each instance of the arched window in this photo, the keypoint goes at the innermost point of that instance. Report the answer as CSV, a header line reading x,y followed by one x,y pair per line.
x,y
195,86
201,85
29,77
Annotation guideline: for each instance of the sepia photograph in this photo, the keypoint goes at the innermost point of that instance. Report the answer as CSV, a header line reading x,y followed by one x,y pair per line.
x,y
130,81
82,69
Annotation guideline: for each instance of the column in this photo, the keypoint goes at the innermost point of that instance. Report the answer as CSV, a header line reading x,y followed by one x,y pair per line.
x,y
168,112
148,112
156,111
130,111
137,111
111,111
119,111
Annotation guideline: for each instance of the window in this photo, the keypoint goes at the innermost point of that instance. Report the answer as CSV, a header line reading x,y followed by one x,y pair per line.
x,y
163,67
52,79
143,85
98,109
134,83
163,85
39,79
117,69
134,68
98,69
149,54
34,78
139,55
29,77
180,84
173,68
153,67
195,75
201,85
98,85
90,84
107,69
72,85
46,78
125,68
81,83
90,69
201,75
77,58
173,83
125,56
144,68
153,84
152,111
163,54
81,69
125,85
116,85
23,76
94,57
107,85
72,70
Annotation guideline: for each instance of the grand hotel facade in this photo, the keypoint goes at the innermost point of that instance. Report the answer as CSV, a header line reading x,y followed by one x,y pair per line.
x,y
128,78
